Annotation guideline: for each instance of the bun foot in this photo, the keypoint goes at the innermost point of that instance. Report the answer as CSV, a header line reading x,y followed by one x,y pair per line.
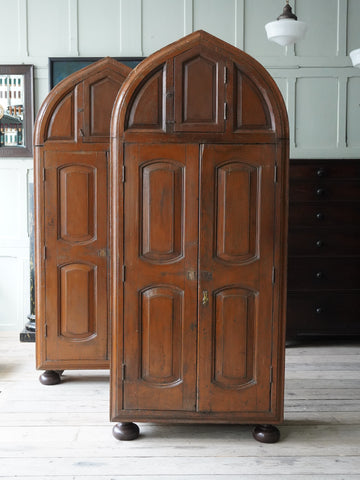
x,y
51,377
266,433
126,431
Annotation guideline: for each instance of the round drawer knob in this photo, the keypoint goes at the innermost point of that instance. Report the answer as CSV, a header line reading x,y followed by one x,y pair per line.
x,y
319,275
320,192
318,310
320,172
319,243
320,216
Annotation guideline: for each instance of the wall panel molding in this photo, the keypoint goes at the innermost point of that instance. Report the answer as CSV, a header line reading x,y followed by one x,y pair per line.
x,y
23,28
188,16
131,23
239,17
73,28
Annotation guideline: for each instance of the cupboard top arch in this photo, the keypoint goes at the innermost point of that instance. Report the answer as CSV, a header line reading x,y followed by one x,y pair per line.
x,y
78,109
200,88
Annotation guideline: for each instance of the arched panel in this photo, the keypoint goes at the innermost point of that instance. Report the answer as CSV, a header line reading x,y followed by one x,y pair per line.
x,y
100,92
77,300
77,187
162,210
148,106
161,335
234,322
199,92
250,108
64,114
62,120
237,203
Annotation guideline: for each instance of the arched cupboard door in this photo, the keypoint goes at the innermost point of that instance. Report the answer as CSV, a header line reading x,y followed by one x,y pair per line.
x,y
199,166
72,141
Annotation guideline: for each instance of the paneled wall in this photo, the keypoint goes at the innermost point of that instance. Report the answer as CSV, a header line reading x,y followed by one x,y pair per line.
x,y
320,87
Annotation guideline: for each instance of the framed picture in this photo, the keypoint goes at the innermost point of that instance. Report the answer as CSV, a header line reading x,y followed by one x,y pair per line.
x,y
16,110
61,67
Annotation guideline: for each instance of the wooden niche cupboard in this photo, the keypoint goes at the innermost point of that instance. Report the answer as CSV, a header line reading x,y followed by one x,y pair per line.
x,y
199,169
72,135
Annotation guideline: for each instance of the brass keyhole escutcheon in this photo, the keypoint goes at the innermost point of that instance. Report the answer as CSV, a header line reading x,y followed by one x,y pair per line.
x,y
205,297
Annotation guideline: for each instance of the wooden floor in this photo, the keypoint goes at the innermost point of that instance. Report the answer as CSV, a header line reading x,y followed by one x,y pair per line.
x,y
62,432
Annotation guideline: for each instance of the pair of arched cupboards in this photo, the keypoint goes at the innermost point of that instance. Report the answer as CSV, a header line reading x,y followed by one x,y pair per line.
x,y
177,238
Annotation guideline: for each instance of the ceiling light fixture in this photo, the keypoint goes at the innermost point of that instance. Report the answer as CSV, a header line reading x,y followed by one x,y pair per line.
x,y
286,29
355,57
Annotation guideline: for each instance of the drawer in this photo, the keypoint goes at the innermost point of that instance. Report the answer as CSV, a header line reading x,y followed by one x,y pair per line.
x,y
339,169
323,313
322,242
322,215
324,191
309,273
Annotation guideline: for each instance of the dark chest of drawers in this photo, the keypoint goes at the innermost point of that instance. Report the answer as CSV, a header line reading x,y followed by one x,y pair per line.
x,y
324,248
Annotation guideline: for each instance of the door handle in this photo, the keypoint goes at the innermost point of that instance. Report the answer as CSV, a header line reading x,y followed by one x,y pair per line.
x,y
205,297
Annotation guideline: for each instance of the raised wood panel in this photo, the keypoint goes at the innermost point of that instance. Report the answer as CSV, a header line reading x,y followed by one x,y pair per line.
x,y
163,210
199,108
100,95
236,212
63,119
162,341
199,92
233,355
147,110
77,186
78,297
251,110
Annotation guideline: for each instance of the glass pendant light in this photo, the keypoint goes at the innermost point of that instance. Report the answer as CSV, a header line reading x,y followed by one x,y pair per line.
x,y
286,29
355,57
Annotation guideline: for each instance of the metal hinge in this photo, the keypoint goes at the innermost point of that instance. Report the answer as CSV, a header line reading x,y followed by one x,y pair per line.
x,y
45,329
123,366
44,174
271,374
123,272
275,174
45,252
123,173
273,275
225,110
225,74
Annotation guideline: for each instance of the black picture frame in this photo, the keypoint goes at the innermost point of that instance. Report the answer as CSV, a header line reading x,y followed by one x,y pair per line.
x,y
61,67
21,116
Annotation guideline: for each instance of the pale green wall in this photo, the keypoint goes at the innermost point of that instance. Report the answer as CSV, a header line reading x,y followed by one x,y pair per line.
x,y
321,89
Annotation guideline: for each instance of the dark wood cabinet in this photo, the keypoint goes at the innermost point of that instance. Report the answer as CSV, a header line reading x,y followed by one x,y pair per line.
x,y
199,166
72,135
324,259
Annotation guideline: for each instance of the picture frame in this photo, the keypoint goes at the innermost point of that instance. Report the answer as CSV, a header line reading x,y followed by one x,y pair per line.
x,y
61,67
16,110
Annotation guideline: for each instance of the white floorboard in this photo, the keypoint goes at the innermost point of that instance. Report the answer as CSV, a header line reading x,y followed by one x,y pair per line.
x,y
63,433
